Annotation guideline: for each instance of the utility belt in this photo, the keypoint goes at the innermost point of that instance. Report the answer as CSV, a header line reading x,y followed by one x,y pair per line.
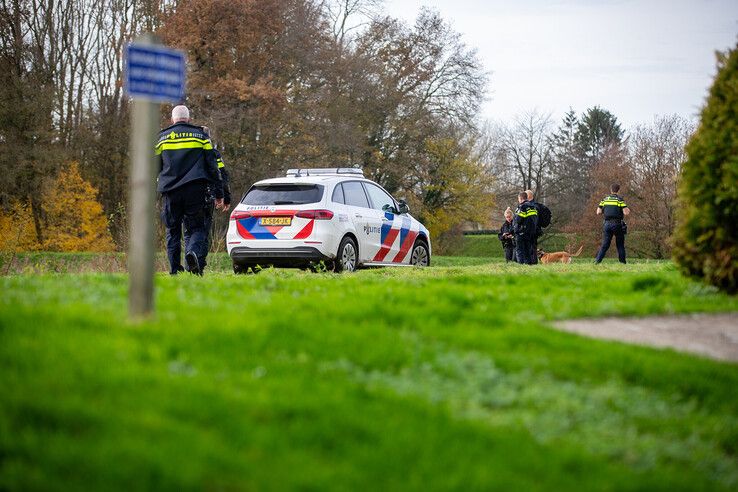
x,y
620,222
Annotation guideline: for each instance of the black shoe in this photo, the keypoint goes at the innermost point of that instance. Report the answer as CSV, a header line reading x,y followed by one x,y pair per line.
x,y
179,269
193,264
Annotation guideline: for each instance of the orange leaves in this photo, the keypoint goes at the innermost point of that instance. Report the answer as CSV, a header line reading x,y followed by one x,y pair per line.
x,y
16,229
73,219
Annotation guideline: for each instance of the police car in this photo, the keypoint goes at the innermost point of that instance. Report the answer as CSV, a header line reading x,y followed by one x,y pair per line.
x,y
332,215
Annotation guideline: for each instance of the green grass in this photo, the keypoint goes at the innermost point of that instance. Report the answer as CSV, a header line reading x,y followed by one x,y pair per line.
x,y
403,379
484,245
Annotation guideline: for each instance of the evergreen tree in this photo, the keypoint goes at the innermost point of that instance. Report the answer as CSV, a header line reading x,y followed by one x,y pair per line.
x,y
706,240
597,131
565,172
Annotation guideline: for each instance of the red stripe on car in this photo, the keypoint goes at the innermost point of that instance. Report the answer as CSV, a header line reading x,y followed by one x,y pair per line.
x,y
405,247
386,245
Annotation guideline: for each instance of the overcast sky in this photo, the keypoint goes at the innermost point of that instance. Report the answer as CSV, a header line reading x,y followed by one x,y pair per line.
x,y
636,58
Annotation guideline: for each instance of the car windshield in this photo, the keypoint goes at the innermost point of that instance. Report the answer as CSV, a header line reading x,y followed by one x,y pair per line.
x,y
283,194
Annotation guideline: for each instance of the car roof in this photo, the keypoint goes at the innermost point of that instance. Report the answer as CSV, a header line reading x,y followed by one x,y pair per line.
x,y
322,179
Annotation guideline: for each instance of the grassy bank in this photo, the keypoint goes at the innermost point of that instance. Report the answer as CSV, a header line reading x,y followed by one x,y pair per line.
x,y
444,378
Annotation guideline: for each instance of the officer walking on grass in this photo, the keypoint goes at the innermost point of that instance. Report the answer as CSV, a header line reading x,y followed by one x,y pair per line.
x,y
187,167
615,210
525,224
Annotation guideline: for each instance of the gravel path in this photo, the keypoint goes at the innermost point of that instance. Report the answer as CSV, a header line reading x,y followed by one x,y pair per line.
x,y
710,335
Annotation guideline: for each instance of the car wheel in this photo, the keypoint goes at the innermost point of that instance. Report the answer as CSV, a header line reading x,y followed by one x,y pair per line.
x,y
348,255
420,256
239,268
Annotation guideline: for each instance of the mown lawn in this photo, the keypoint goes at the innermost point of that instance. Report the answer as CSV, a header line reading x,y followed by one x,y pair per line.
x,y
400,379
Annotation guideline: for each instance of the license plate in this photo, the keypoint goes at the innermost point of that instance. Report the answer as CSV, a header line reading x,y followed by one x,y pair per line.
x,y
276,221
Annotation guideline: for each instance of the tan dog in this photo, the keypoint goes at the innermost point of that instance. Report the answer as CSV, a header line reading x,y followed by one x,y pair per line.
x,y
557,257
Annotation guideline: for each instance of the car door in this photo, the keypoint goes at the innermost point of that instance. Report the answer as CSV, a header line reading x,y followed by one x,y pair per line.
x,y
383,207
368,226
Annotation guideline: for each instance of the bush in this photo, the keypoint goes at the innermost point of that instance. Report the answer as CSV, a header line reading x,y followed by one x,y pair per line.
x,y
706,240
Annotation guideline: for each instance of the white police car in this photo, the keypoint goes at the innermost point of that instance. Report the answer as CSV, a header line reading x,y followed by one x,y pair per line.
x,y
335,215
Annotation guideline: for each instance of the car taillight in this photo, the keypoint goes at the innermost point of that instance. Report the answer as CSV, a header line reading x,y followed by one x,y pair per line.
x,y
238,215
315,214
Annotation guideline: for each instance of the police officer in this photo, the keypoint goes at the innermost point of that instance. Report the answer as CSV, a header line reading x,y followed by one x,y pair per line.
x,y
507,236
615,210
187,166
525,224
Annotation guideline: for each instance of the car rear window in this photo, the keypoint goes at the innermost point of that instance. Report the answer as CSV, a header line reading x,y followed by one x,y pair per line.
x,y
283,194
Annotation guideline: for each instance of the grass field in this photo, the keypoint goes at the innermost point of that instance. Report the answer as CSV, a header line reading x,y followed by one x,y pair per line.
x,y
485,245
446,378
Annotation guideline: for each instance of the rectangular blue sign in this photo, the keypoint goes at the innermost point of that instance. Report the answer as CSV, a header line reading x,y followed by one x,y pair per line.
x,y
155,73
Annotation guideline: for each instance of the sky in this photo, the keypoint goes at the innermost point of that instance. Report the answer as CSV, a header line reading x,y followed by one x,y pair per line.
x,y
635,58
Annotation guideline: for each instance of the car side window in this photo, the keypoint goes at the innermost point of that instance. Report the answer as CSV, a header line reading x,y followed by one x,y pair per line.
x,y
338,194
354,194
378,196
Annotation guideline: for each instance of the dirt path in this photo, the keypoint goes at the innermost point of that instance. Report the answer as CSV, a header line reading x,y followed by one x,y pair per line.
x,y
711,335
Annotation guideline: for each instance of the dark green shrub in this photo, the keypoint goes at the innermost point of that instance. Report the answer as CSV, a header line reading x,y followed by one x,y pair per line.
x,y
706,239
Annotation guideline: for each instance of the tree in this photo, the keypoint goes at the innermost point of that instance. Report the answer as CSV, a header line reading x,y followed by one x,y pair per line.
x,y
656,155
706,240
566,168
456,188
74,215
597,131
527,153
27,138
579,144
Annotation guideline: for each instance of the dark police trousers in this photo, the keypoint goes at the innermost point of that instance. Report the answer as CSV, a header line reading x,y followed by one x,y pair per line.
x,y
612,228
186,206
523,245
533,252
209,208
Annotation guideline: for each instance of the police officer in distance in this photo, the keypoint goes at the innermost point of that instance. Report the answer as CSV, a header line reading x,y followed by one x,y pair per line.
x,y
614,209
507,236
525,224
543,214
187,166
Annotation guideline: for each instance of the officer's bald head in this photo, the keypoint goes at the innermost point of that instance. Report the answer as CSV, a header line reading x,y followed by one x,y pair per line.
x,y
180,114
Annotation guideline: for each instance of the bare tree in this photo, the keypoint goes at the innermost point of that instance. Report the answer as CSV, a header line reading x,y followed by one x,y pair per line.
x,y
657,152
348,16
525,153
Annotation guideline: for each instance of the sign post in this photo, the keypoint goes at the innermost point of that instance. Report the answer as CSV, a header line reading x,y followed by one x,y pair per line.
x,y
154,74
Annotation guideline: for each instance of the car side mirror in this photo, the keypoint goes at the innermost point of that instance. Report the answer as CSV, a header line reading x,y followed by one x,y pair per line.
x,y
402,207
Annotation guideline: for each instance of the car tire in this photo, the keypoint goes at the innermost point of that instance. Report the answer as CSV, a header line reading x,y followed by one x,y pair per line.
x,y
347,259
420,256
239,268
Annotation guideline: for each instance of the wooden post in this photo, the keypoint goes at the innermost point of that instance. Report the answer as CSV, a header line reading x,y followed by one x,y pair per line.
x,y
144,129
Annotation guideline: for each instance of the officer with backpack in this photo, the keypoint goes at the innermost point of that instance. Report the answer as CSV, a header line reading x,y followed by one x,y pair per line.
x,y
544,220
525,224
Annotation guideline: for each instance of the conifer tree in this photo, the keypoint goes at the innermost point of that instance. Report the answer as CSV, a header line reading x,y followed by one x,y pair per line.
x,y
706,242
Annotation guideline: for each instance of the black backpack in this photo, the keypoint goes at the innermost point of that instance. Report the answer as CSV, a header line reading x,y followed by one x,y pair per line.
x,y
544,215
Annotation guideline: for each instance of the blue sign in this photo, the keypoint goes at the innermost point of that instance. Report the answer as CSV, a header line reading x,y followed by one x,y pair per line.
x,y
155,73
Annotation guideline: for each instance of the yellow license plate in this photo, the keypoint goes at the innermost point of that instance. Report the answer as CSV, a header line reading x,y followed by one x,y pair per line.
x,y
276,221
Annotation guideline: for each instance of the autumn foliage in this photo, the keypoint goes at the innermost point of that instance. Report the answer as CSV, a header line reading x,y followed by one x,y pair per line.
x,y
73,219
